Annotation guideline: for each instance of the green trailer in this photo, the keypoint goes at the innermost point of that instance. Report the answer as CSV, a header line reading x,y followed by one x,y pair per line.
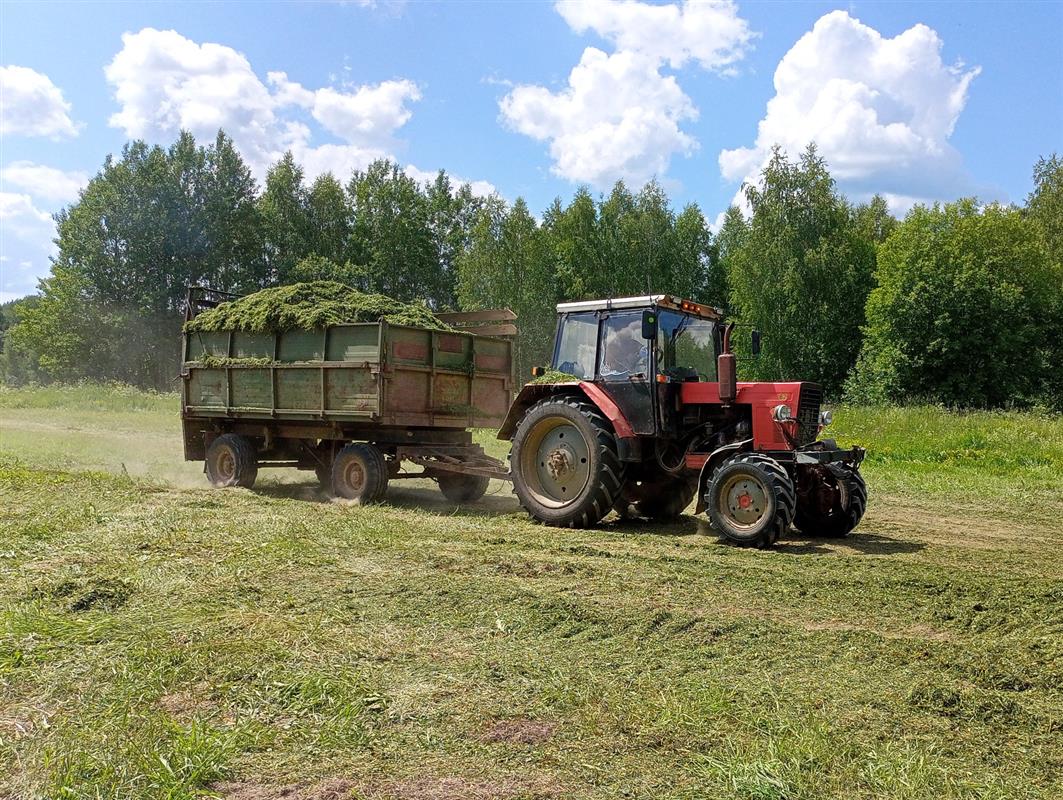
x,y
356,403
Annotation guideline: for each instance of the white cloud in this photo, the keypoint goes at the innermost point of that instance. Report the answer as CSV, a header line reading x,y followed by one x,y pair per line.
x,y
708,31
26,235
880,110
165,82
619,117
31,105
43,182
478,188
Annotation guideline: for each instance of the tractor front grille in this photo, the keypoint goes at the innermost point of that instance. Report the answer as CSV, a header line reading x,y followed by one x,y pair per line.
x,y
808,413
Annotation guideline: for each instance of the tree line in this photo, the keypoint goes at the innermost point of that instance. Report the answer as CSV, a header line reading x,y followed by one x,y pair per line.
x,y
960,303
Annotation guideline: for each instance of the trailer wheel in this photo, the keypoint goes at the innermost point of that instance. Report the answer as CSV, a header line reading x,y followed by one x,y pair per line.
x,y
458,488
751,500
359,473
566,465
664,499
231,461
850,500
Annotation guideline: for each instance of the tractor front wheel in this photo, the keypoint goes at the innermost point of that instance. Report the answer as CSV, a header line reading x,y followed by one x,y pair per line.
x,y
566,465
751,500
846,507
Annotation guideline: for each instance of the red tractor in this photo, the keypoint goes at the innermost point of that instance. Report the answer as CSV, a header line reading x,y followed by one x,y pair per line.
x,y
648,415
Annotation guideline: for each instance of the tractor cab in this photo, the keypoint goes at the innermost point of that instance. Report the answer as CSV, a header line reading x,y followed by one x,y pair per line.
x,y
636,349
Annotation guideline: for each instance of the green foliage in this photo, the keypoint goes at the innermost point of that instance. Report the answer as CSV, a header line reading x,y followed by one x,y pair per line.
x,y
962,310
800,273
307,306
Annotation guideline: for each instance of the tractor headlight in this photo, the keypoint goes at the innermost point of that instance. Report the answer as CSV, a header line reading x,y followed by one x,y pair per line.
x,y
826,418
782,413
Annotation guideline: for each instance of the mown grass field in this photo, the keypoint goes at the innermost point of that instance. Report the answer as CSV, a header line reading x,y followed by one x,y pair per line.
x,y
161,640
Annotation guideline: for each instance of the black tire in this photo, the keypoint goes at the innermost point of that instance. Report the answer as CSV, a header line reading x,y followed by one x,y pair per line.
x,y
850,502
359,473
590,462
458,488
751,500
231,461
664,499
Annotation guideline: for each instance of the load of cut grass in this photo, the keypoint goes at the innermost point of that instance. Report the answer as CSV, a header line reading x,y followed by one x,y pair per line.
x,y
308,306
555,376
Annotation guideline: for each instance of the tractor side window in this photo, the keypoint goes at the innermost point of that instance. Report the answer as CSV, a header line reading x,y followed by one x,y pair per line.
x,y
624,351
579,340
686,347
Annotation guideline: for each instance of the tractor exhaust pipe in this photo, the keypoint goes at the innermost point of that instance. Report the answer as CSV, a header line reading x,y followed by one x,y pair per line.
x,y
725,368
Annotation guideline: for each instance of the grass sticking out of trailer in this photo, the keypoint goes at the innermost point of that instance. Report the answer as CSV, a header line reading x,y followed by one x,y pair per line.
x,y
311,305
554,376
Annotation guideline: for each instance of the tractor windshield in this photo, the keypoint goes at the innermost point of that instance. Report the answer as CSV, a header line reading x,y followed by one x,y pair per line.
x,y
686,346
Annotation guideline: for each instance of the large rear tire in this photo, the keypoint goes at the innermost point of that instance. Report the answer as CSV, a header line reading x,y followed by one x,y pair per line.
x,y
566,466
751,500
231,461
850,501
359,473
458,488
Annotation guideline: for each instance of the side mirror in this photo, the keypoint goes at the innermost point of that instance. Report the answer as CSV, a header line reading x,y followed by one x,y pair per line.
x,y
649,324
755,342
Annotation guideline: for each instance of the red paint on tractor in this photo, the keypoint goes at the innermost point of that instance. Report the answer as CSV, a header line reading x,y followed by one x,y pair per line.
x,y
761,397
605,403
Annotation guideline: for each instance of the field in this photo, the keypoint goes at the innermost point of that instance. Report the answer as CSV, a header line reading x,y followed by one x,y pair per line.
x,y
161,640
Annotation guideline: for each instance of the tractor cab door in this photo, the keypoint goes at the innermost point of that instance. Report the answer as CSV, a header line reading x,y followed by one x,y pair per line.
x,y
625,371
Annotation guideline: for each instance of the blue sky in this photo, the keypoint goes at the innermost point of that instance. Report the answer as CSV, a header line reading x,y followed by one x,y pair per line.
x,y
919,101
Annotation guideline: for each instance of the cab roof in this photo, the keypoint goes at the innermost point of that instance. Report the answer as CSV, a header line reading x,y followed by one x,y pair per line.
x,y
643,301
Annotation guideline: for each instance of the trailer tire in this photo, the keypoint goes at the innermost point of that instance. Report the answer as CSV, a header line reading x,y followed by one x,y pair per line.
x,y
665,499
751,500
845,514
359,473
458,488
569,483
231,460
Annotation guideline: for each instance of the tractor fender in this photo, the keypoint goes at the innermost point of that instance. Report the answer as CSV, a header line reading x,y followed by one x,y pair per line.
x,y
709,467
533,393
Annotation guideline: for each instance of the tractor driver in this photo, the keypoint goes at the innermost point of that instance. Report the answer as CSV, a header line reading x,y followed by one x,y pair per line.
x,y
624,351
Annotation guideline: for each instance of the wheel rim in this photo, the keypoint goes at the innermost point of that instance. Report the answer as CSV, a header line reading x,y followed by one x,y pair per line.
x,y
555,461
743,501
225,464
354,476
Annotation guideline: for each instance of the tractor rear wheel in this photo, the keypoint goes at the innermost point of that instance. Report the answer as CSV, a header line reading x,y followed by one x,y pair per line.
x,y
664,499
458,488
845,513
751,500
231,461
566,466
359,473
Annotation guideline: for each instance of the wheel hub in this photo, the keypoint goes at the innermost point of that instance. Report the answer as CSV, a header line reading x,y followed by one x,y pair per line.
x,y
744,500
354,475
226,464
560,470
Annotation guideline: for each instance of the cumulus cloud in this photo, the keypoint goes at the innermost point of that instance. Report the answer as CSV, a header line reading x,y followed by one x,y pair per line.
x,y
43,182
26,244
620,117
708,31
31,105
880,110
165,82
478,188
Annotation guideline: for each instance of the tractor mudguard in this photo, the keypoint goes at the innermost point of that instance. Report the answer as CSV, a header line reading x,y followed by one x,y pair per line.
x,y
718,455
533,393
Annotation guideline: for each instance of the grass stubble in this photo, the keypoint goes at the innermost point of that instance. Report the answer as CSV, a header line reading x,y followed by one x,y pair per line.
x,y
159,641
